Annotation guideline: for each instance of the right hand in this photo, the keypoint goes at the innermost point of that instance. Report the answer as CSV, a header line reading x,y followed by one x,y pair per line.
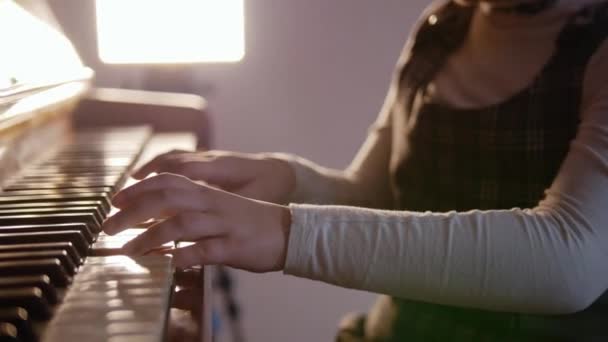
x,y
250,175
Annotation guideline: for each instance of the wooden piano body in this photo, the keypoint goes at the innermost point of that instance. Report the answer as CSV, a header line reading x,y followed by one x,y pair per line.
x,y
46,99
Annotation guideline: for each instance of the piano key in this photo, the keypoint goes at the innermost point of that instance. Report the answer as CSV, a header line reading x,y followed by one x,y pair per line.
x,y
88,219
36,175
63,187
54,187
104,162
29,298
41,281
6,198
62,256
50,267
59,178
62,178
48,210
68,247
58,205
81,222
8,332
19,318
57,227
75,237
122,309
110,181
67,169
103,191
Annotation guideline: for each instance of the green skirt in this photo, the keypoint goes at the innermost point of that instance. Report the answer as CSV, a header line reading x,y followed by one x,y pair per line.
x,y
393,319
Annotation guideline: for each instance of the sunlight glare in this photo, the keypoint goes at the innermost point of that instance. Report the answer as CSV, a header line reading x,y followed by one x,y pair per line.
x,y
170,31
32,51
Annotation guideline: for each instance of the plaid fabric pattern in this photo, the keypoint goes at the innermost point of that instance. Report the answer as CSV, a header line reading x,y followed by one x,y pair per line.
x,y
498,157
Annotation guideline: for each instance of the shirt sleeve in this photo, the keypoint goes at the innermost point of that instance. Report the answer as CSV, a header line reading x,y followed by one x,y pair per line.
x,y
364,183
550,259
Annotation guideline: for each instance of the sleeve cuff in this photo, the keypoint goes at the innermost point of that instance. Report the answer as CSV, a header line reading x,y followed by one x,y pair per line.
x,y
300,246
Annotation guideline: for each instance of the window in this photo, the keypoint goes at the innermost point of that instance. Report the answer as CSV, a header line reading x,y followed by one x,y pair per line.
x,y
170,31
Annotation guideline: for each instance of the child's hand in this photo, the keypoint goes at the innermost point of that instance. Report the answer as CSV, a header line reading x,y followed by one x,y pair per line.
x,y
251,175
227,228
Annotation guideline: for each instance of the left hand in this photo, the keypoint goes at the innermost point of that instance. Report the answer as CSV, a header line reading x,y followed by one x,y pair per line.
x,y
228,229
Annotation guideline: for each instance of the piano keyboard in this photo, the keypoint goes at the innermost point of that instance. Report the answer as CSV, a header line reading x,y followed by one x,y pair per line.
x,y
60,279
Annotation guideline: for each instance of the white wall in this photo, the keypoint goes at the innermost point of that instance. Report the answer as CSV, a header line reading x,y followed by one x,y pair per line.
x,y
313,78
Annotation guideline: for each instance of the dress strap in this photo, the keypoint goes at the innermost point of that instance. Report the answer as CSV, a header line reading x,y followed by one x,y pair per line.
x,y
439,34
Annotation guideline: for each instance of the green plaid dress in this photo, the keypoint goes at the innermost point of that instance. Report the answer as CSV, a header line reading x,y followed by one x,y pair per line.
x,y
498,157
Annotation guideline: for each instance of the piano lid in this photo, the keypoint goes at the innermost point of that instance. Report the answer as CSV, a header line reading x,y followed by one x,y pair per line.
x,y
36,55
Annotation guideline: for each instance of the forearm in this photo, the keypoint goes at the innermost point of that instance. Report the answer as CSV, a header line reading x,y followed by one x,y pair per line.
x,y
316,184
549,259
517,260
365,182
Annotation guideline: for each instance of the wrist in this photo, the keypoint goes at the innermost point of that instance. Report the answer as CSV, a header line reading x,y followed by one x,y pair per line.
x,y
287,179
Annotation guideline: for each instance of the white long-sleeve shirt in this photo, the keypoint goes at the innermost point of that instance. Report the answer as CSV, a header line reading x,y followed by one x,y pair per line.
x,y
550,259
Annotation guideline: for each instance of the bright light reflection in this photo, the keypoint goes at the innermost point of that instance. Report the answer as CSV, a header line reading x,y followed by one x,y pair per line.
x,y
32,51
170,31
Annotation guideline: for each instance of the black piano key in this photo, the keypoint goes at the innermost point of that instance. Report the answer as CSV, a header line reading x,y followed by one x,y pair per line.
x,y
19,318
91,186
58,227
60,178
41,281
29,298
6,198
38,178
8,332
58,205
90,163
65,181
57,191
61,210
51,267
73,236
54,178
62,256
86,161
68,247
88,219
73,170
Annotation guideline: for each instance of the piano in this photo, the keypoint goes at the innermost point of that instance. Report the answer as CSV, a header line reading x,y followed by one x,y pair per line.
x,y
61,279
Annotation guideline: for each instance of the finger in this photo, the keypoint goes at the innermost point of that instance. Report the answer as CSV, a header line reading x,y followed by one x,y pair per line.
x,y
154,204
209,169
160,182
211,251
187,226
199,169
153,164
